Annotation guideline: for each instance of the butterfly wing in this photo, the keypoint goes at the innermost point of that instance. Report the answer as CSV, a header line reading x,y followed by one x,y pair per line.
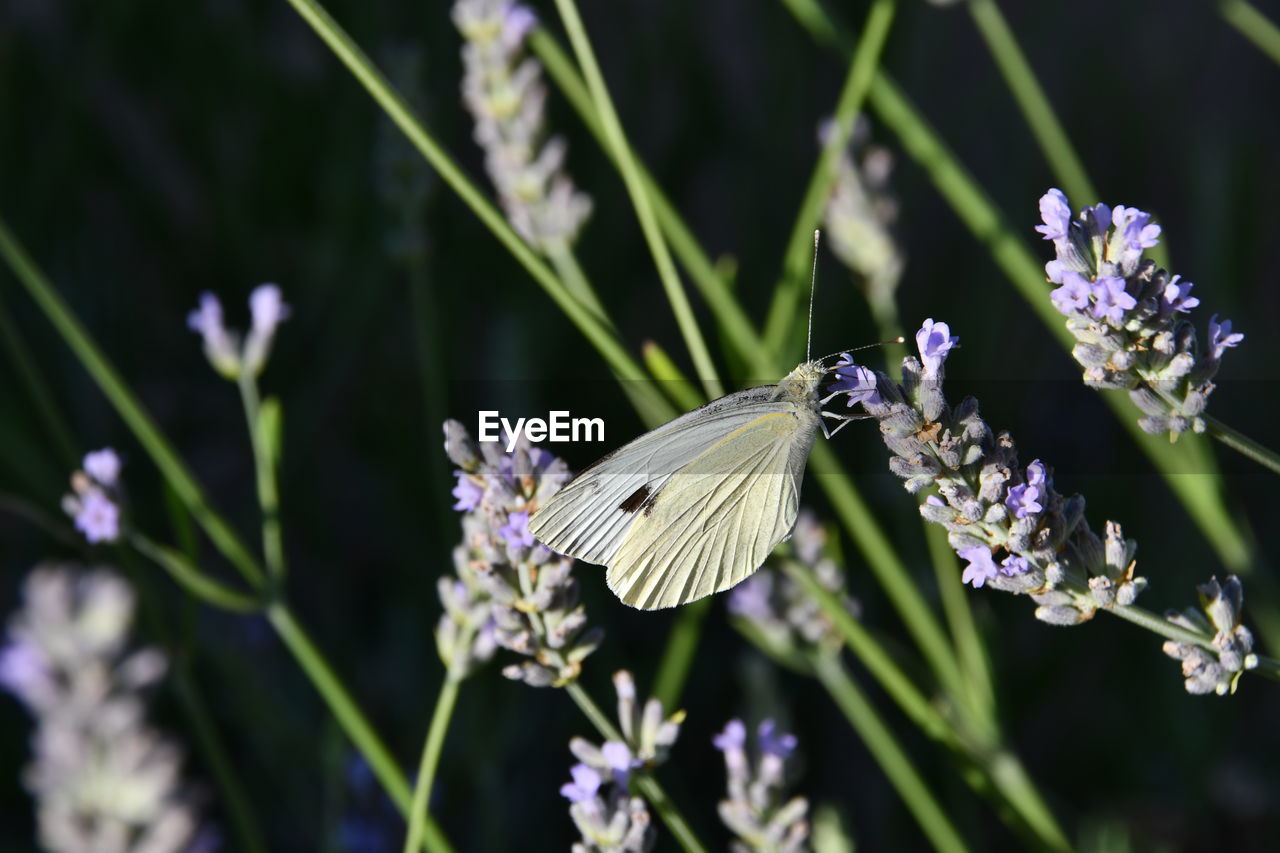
x,y
589,517
719,516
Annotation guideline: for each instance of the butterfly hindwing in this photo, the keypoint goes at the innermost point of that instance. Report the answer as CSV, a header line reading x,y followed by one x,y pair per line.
x,y
719,516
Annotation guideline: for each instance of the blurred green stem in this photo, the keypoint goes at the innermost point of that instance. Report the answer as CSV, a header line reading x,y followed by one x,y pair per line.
x,y
977,743
1037,109
1253,25
248,833
729,314
677,658
782,318
888,754
38,389
617,139
645,783
435,741
264,439
190,578
353,722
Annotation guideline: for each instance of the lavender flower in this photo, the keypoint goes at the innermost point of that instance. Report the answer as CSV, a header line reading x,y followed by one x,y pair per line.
x,y
1128,316
647,736
607,817
504,93
776,610
1008,523
102,778
754,809
95,497
531,595
991,506
223,348
1217,670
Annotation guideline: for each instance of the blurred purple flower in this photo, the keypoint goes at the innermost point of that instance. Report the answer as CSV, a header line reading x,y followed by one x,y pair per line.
x,y
98,517
102,465
468,492
516,531
772,743
586,782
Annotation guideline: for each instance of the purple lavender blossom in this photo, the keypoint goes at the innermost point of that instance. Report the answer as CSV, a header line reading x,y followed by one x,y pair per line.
x,y
1176,296
98,517
1133,226
517,22
516,531
268,309
586,782
772,743
1023,500
1056,214
1014,565
102,465
1221,337
1112,300
1073,295
981,567
734,736
468,492
1037,474
934,341
855,380
618,756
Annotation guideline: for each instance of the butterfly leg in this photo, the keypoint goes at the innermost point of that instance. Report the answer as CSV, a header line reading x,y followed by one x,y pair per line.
x,y
843,419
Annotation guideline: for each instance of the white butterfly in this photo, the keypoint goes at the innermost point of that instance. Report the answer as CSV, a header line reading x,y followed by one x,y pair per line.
x,y
695,506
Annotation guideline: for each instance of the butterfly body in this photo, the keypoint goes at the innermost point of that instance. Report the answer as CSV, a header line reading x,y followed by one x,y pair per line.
x,y
696,505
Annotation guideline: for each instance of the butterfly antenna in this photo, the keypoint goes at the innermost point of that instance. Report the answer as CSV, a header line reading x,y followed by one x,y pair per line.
x,y
813,285
897,340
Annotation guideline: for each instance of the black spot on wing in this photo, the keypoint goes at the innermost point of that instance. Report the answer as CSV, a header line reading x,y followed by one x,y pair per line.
x,y
636,500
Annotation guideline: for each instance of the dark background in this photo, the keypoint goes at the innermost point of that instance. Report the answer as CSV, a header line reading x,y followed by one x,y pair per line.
x,y
149,151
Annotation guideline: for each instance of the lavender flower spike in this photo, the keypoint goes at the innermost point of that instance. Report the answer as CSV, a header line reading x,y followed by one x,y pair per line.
x,y
504,93
1019,535
1128,317
516,592
223,348
102,778
754,809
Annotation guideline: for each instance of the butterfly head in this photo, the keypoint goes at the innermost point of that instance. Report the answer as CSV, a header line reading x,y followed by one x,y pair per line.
x,y
801,384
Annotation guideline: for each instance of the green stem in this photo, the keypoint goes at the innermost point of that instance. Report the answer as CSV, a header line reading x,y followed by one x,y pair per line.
x,y
570,271
978,744
399,111
431,751
783,317
889,569
1253,25
192,579
248,832
352,720
264,463
645,783
964,631
677,658
731,319
130,410
888,754
38,389
1038,112
1264,456
36,516
640,199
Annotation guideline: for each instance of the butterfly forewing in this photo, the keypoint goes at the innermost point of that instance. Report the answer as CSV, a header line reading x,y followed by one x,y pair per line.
x,y
589,517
